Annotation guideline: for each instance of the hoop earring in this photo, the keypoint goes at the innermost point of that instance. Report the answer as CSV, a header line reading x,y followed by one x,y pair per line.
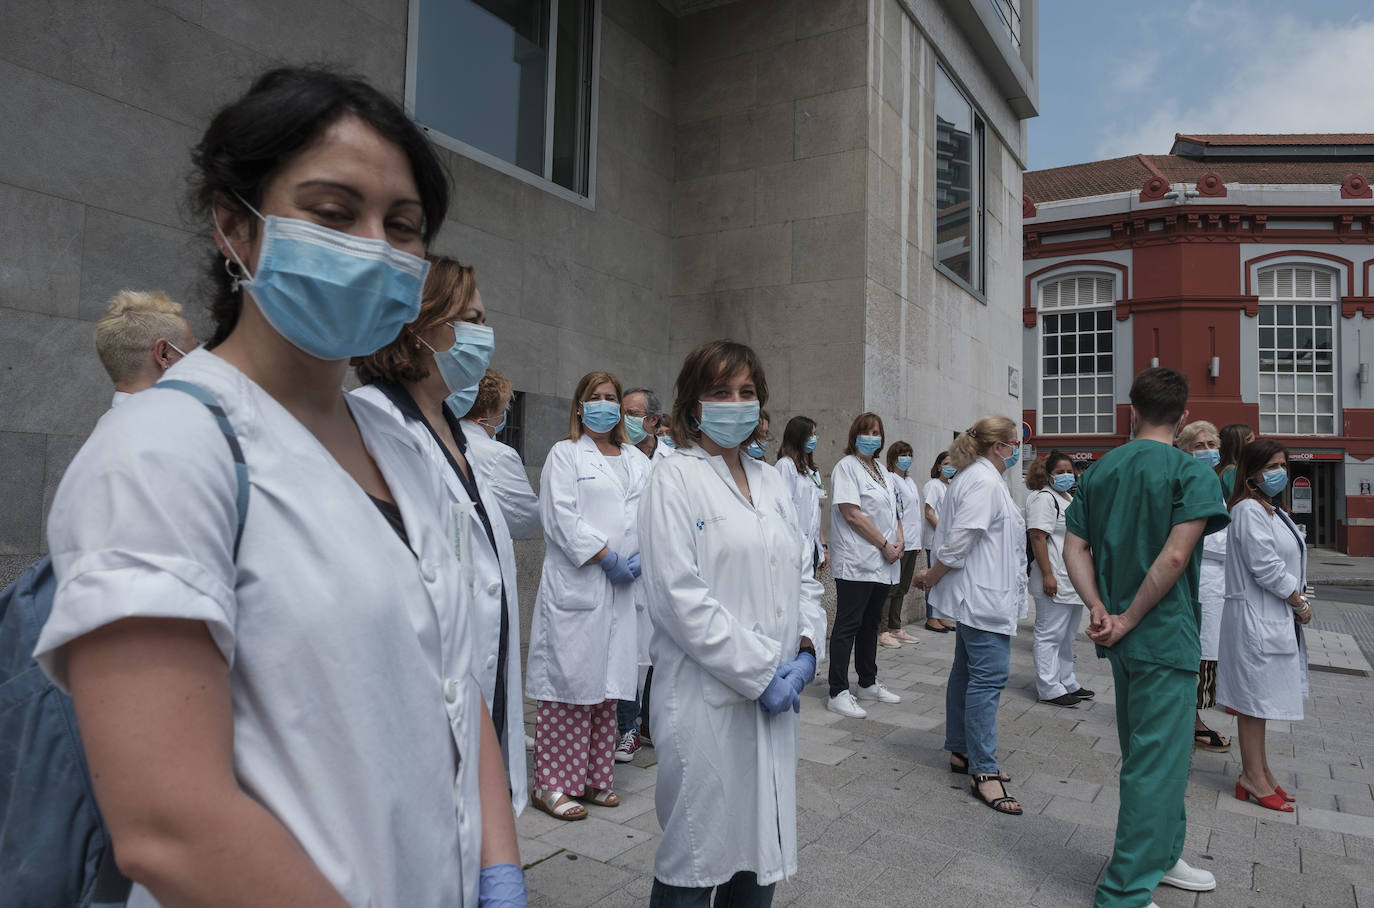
x,y
235,275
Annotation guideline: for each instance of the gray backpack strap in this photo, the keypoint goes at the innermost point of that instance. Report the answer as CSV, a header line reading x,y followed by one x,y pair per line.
x,y
240,465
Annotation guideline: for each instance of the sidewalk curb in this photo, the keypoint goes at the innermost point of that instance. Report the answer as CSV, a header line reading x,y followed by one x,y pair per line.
x,y
1364,582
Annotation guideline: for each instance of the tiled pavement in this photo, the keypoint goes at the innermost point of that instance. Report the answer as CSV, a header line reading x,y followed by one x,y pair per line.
x,y
882,822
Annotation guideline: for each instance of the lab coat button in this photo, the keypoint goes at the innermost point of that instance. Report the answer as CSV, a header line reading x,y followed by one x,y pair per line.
x,y
491,662
450,690
493,589
773,559
427,571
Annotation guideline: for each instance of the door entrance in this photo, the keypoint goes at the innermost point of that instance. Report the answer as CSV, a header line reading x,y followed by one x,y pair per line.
x,y
1320,518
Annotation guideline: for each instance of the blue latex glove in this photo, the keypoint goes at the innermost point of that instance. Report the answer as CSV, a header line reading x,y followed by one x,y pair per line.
x,y
799,673
778,695
617,568
633,561
502,886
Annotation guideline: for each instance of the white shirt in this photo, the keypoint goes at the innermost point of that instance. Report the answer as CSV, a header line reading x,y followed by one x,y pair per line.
x,y
909,508
119,398
731,594
852,557
806,492
982,539
321,650
1045,510
501,472
933,494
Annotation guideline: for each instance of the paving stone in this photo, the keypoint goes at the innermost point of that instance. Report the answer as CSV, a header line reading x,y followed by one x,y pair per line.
x,y
572,881
596,838
1307,890
1336,822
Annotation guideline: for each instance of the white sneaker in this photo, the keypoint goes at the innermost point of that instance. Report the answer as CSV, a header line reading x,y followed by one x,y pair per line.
x,y
1181,876
879,693
845,704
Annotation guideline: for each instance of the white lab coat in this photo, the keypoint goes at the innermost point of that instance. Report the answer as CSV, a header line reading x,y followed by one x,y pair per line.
x,y
731,593
1262,658
933,494
1046,510
484,573
1212,590
502,475
807,494
852,557
982,537
910,510
583,638
349,666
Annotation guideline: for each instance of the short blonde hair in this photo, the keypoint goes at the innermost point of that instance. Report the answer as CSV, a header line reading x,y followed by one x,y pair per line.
x,y
1188,435
978,440
129,328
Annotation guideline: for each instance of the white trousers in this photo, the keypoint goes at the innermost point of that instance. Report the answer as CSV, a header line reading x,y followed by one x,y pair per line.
x,y
1056,625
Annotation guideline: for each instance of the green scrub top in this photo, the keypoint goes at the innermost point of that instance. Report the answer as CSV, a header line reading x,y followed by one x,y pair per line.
x,y
1228,481
1124,508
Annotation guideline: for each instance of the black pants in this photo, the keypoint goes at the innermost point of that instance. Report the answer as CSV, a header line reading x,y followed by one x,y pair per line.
x,y
858,612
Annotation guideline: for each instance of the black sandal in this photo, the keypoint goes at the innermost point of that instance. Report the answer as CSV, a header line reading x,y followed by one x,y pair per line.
x,y
963,770
1208,739
997,804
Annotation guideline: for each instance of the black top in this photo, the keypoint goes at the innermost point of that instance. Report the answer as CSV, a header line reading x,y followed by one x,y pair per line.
x,y
398,395
392,512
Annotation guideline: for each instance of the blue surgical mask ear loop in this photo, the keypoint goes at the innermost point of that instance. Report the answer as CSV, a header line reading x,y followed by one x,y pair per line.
x,y
237,279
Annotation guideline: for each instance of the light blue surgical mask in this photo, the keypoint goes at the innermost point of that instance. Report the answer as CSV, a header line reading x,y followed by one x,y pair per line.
x,y
868,445
331,294
667,440
634,429
463,365
810,446
729,422
1208,457
948,471
1062,482
756,450
1015,455
904,463
500,425
600,415
1274,481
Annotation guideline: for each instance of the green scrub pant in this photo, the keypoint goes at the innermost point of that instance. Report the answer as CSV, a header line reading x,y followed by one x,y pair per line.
x,y
1155,708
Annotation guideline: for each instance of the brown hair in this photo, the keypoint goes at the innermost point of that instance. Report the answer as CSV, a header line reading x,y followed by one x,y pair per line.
x,y
1038,473
1160,395
895,450
491,390
1233,441
1252,460
939,462
794,438
856,429
585,387
405,359
708,364
978,440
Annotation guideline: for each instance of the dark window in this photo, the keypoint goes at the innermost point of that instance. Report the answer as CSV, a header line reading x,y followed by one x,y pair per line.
x,y
958,185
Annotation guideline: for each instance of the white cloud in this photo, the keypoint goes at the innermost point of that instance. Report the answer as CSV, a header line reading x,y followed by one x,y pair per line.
x,y
1285,75
1135,74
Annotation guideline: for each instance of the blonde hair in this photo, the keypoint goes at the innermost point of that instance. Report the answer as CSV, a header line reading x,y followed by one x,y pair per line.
x,y
977,441
127,331
1188,435
586,386
491,390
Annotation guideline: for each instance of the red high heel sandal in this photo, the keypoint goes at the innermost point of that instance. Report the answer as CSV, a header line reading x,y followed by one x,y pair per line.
x,y
1274,801
1278,790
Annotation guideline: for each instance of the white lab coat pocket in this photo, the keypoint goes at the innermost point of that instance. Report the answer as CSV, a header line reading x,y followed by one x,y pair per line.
x,y
576,589
717,693
990,607
1273,636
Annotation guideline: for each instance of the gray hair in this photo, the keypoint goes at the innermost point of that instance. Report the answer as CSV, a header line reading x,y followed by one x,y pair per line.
x,y
652,405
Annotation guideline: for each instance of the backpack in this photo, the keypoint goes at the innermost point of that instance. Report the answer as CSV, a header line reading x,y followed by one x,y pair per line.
x,y
54,847
1030,550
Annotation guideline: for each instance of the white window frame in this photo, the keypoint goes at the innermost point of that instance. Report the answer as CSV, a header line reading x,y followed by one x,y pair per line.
x,y
1280,391
488,159
1106,293
978,188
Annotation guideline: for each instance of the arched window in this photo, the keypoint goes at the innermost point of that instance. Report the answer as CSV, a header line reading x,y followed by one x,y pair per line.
x,y
1297,358
1076,393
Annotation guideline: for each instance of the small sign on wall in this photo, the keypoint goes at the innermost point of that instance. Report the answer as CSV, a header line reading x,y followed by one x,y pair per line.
x,y
1302,495
1014,381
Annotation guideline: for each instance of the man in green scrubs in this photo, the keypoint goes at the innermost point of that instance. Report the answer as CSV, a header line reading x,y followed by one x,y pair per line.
x,y
1133,553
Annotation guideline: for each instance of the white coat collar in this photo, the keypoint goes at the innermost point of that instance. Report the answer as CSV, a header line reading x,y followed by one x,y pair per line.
x,y
598,460
753,470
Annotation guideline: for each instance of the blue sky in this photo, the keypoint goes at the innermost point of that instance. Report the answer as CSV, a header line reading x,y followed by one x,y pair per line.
x,y
1119,78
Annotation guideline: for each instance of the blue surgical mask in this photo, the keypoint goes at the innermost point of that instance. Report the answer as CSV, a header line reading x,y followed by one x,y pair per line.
x,y
1208,457
634,429
463,365
948,471
729,422
331,294
600,415
667,440
756,450
1274,481
810,446
1062,482
500,425
904,463
868,445
1015,456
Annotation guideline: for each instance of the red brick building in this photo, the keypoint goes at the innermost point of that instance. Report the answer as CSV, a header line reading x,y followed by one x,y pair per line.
x,y
1244,261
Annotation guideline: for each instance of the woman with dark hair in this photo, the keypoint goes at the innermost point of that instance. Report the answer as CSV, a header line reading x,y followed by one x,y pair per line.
x,y
584,651
1262,663
498,463
758,448
237,678
932,496
867,535
797,466
736,618
1234,438
424,379
899,456
979,580
1058,608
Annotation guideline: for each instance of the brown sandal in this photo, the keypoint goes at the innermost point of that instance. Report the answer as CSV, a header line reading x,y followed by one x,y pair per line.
x,y
602,797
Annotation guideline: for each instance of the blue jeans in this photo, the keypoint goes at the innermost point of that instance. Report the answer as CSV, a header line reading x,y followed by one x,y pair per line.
x,y
626,712
982,660
741,891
